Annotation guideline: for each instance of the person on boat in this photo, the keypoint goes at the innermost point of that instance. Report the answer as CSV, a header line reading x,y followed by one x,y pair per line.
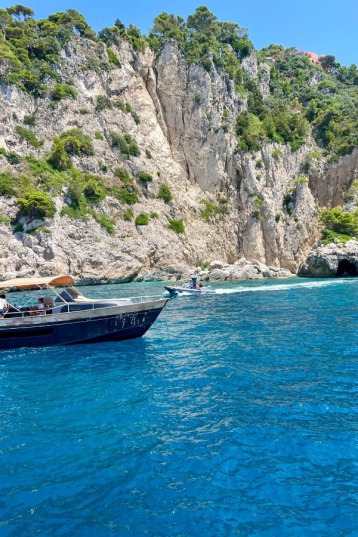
x,y
39,309
4,306
41,306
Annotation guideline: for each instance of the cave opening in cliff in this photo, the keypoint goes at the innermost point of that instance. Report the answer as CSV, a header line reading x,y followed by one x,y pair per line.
x,y
346,268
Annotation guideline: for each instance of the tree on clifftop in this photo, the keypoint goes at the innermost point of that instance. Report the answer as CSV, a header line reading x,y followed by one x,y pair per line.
x,y
169,26
202,20
20,11
327,62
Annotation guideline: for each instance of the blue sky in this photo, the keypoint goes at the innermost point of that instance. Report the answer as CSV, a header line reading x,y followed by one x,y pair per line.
x,y
321,26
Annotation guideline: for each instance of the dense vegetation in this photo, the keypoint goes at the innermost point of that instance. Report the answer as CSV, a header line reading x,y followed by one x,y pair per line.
x,y
305,102
38,181
205,40
305,99
29,49
339,224
318,99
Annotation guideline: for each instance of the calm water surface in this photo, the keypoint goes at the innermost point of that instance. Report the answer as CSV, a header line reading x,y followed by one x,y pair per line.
x,y
236,414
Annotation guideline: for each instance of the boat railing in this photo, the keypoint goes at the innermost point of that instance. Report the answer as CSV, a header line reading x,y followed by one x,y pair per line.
x,y
129,299
80,305
138,299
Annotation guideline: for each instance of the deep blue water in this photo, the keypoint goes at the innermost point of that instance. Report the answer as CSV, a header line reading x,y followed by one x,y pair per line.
x,y
236,414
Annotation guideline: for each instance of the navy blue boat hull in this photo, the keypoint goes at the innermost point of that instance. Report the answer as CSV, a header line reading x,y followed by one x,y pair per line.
x,y
83,330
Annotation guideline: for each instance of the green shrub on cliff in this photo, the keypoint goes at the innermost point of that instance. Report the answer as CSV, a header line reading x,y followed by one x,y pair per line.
x,y
165,193
329,236
77,143
69,143
63,91
58,157
134,36
126,144
123,175
125,194
126,108
103,103
7,183
338,222
277,153
250,131
13,158
113,58
212,211
300,180
29,136
103,220
114,34
176,225
44,175
30,120
36,204
5,220
94,189
142,219
85,191
128,215
352,192
145,177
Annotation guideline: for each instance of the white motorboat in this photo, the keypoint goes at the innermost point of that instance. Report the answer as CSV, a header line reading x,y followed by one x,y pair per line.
x,y
191,288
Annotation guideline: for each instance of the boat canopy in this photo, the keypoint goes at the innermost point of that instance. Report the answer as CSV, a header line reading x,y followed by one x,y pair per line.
x,y
37,283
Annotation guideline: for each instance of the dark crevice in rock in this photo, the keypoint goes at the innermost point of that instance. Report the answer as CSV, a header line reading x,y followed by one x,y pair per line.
x,y
346,268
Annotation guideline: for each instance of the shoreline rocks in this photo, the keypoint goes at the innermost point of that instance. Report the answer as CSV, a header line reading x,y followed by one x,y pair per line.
x,y
242,270
324,261
219,271
334,259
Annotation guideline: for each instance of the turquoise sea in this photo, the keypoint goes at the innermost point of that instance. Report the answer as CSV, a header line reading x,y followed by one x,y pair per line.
x,y
236,414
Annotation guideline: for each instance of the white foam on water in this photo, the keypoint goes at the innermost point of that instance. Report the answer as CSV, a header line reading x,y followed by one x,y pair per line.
x,y
282,287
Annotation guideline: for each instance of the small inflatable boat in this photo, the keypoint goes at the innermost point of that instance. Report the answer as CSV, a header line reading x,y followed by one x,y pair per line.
x,y
191,288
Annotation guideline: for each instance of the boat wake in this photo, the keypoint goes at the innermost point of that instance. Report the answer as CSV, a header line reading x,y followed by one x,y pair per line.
x,y
281,287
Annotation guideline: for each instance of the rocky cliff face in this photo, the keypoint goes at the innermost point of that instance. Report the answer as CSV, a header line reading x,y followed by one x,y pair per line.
x,y
257,210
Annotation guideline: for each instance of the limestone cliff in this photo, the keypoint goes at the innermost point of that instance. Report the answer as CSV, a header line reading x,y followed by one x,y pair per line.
x,y
257,208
